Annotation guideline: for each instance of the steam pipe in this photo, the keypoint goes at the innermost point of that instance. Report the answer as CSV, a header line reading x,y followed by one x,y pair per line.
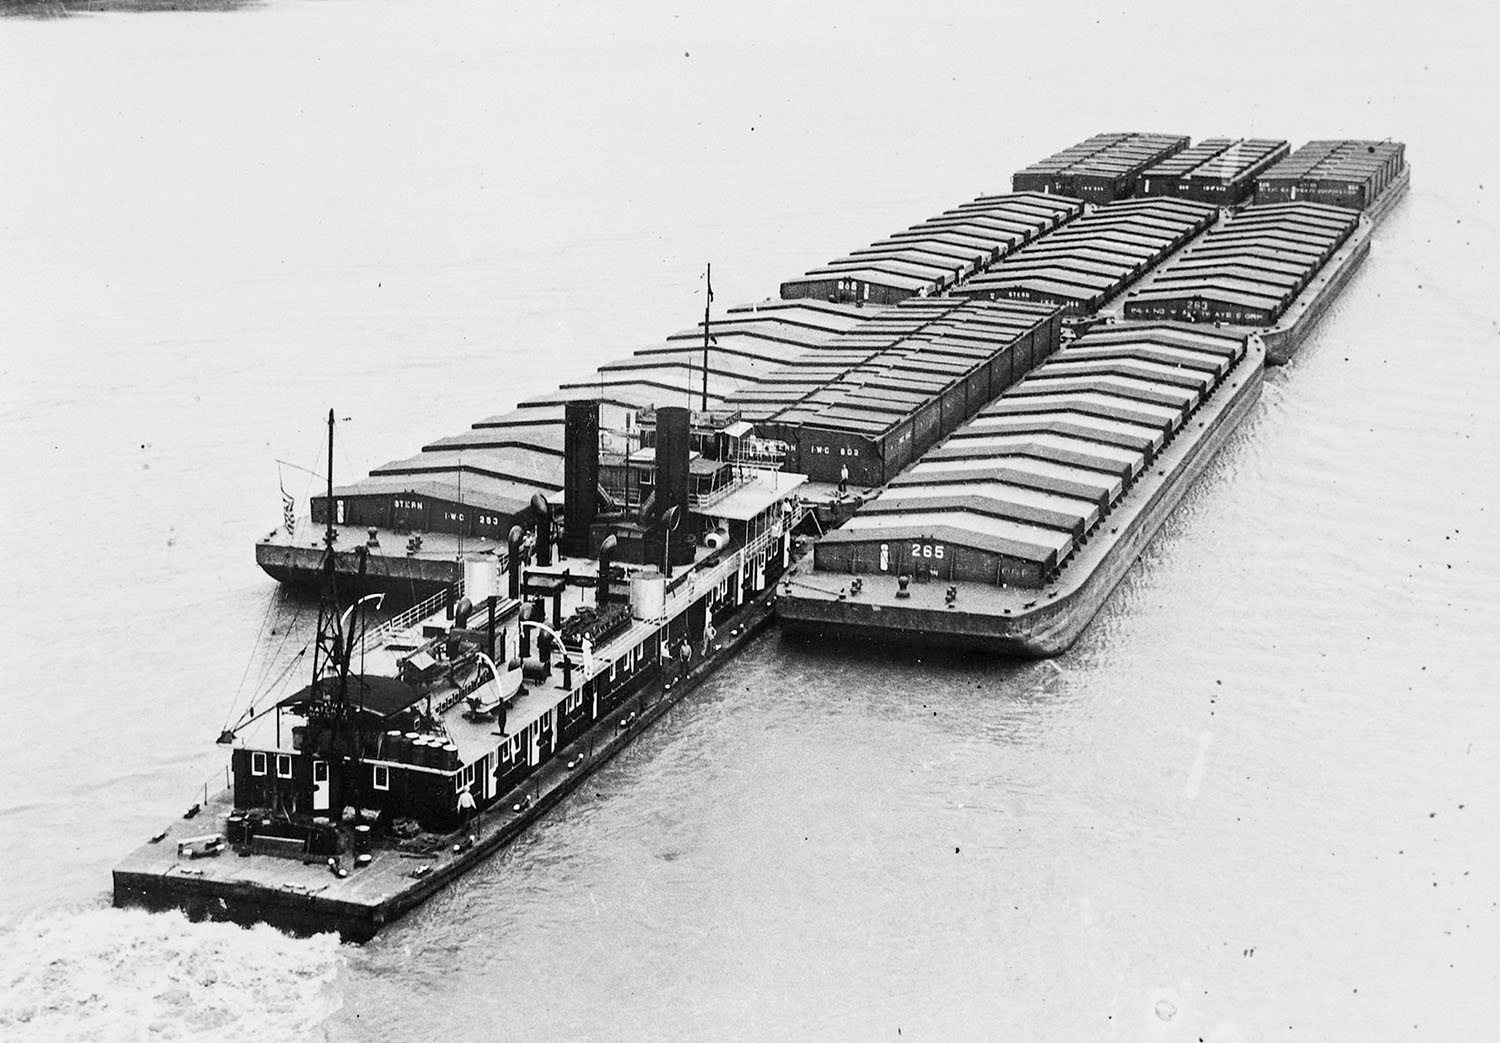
x,y
513,558
606,552
543,511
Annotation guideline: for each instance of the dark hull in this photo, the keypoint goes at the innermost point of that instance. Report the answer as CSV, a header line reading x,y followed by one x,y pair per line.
x,y
404,578
153,878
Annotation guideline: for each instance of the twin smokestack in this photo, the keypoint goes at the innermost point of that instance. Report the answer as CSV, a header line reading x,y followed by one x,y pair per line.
x,y
581,484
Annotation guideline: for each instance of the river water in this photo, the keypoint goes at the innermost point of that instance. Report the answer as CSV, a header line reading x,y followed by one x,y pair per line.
x,y
1258,800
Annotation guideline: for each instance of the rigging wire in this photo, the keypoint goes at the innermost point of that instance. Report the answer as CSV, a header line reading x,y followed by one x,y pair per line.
x,y
285,675
271,692
249,659
268,663
271,659
264,688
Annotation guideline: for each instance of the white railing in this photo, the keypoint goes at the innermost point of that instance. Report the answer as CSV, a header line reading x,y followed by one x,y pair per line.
x,y
418,612
735,562
702,501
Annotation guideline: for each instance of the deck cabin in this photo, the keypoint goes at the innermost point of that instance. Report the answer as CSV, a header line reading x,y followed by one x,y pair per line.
x,y
478,693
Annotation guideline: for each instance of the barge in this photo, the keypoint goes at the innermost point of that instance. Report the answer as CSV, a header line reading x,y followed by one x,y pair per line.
x,y
1008,537
1221,171
1275,268
420,748
1078,229
401,530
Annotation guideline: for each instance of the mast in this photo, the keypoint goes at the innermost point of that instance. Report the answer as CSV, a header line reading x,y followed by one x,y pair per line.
x,y
333,649
327,646
708,277
328,536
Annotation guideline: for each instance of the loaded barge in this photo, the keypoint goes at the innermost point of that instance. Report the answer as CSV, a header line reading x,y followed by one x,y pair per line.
x,y
400,530
403,529
1008,535
418,750
1277,265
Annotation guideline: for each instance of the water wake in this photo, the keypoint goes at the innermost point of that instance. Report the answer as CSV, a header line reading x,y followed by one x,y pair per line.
x,y
108,974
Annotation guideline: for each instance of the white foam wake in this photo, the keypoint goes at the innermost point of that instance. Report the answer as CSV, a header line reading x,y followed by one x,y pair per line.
x,y
110,974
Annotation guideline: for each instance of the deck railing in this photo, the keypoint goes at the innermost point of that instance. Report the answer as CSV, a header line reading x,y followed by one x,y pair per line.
x,y
409,618
736,561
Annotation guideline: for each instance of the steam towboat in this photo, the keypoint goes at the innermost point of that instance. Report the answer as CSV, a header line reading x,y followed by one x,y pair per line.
x,y
421,746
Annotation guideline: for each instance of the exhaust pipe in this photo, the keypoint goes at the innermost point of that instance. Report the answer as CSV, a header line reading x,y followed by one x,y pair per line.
x,y
580,475
513,557
543,511
606,552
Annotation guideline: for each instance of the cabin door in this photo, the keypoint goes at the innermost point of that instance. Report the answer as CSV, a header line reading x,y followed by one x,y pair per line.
x,y
488,768
321,786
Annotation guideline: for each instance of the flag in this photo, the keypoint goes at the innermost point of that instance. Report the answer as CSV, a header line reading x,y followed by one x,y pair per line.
x,y
288,508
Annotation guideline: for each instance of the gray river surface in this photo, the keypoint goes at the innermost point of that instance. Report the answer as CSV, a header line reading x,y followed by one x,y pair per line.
x,y
1259,800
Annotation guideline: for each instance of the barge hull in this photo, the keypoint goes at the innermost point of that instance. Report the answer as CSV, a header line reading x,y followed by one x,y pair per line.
x,y
1048,625
1283,339
412,576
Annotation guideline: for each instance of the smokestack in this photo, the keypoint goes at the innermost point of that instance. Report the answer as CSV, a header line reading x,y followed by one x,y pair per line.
x,y
543,511
513,556
606,552
580,475
673,440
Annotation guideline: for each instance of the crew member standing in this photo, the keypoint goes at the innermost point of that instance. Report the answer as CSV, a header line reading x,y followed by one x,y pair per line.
x,y
843,479
466,811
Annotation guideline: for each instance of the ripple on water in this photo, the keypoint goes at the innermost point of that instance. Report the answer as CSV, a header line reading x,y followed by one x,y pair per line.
x,y
112,974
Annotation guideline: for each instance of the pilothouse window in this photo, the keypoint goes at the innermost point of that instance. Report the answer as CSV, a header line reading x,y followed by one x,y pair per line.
x,y
380,776
257,764
283,766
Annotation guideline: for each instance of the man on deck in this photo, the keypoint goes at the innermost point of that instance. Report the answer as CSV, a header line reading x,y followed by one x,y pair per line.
x,y
466,810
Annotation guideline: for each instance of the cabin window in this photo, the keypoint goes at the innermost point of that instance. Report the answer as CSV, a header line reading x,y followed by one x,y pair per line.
x,y
380,776
283,766
257,764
